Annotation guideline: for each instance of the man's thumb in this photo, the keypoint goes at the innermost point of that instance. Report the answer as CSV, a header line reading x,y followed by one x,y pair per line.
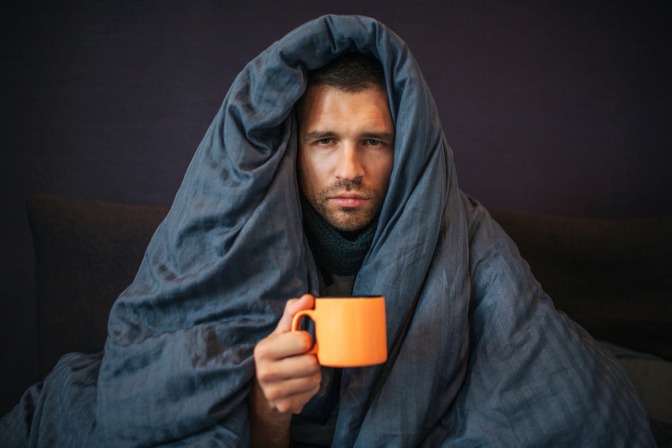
x,y
293,306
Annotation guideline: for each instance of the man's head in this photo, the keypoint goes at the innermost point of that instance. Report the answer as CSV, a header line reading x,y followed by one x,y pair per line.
x,y
346,141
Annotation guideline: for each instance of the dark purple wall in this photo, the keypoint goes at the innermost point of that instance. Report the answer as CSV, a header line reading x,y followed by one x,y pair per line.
x,y
558,108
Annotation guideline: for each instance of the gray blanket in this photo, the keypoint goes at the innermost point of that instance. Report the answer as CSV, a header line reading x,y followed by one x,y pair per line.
x,y
478,354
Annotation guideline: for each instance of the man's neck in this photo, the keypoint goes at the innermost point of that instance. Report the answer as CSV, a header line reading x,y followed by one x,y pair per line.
x,y
335,252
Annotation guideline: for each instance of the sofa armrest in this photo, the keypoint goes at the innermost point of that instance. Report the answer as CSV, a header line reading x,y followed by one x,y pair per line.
x,y
87,252
611,276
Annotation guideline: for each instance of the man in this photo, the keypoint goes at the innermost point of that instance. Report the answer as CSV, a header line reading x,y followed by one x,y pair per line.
x,y
345,156
198,352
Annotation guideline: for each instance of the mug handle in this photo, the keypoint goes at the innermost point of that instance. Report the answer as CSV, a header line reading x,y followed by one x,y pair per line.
x,y
295,327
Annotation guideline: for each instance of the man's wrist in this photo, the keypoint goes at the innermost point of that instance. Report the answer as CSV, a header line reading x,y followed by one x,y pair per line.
x,y
268,426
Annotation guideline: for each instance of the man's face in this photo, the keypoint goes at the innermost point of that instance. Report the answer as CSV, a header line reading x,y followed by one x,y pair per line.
x,y
346,143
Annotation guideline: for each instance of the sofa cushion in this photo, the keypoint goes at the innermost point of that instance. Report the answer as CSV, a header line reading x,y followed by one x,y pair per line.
x,y
87,253
652,377
611,276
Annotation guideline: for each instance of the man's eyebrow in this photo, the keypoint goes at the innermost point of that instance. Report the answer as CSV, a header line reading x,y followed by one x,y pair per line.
x,y
317,135
389,136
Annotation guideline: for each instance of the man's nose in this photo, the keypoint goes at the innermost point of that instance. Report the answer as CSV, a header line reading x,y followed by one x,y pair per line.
x,y
349,164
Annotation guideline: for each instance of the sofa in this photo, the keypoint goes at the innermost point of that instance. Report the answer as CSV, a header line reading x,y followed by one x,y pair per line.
x,y
613,277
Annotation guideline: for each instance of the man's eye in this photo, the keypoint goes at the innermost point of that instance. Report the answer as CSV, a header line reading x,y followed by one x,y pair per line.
x,y
324,141
373,142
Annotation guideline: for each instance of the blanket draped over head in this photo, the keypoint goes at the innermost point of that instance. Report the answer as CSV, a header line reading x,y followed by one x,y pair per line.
x,y
478,354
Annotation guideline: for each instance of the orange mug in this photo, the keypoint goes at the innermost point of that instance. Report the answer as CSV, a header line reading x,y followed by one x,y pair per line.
x,y
349,331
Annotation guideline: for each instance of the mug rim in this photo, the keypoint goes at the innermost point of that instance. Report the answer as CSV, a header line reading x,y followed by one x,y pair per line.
x,y
374,296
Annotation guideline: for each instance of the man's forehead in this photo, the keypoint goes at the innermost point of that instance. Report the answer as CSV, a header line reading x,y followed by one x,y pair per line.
x,y
316,94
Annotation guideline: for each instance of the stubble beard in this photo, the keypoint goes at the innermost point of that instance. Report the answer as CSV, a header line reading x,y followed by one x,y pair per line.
x,y
346,219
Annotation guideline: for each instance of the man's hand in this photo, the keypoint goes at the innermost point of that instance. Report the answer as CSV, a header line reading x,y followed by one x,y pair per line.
x,y
286,378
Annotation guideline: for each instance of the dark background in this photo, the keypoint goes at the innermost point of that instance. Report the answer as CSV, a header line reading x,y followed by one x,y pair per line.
x,y
557,107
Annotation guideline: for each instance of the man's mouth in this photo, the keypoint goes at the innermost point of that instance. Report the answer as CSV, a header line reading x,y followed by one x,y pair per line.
x,y
348,200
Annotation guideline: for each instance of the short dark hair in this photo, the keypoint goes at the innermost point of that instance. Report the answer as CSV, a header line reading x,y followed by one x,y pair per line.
x,y
350,72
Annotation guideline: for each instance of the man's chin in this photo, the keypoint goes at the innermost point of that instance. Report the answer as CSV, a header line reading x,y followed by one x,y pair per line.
x,y
349,220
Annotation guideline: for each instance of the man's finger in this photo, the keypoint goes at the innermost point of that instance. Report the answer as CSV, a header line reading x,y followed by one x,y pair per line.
x,y
287,367
295,403
288,388
293,306
281,346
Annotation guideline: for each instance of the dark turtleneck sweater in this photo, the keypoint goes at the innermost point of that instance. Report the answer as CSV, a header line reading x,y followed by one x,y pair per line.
x,y
336,252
